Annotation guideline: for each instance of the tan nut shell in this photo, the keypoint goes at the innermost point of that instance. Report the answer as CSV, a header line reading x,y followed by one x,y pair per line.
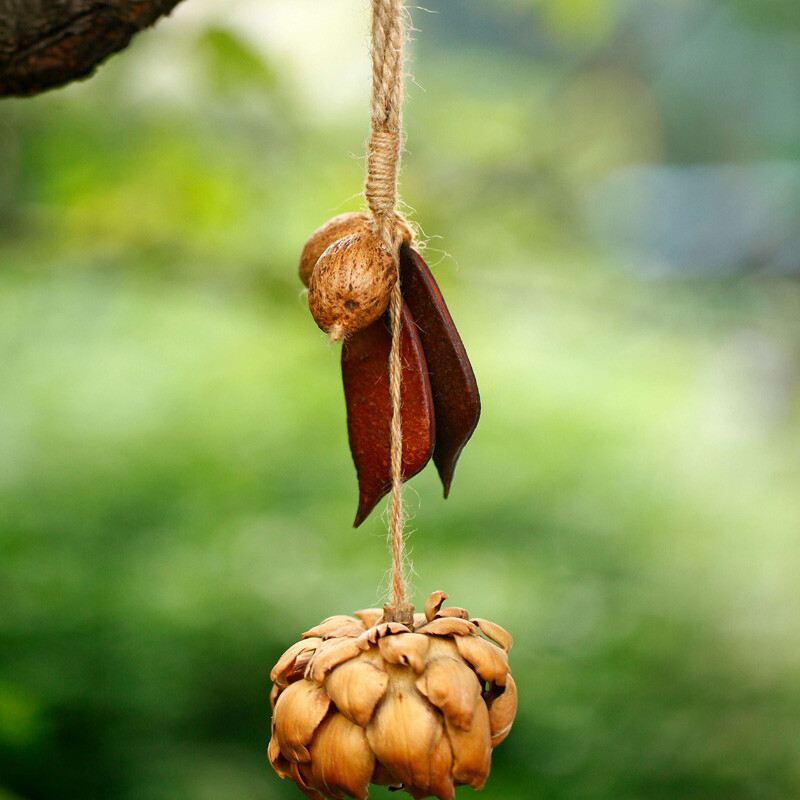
x,y
416,707
350,284
336,228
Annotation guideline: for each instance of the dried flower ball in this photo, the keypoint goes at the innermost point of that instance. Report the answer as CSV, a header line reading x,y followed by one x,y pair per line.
x,y
419,707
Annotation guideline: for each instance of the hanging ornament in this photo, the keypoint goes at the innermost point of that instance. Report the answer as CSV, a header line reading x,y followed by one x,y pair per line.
x,y
390,697
415,706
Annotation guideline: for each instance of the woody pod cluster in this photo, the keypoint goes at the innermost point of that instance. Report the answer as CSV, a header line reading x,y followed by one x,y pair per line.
x,y
419,707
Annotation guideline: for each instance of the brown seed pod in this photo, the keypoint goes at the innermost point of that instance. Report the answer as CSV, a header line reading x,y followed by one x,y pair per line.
x,y
455,392
406,707
334,229
365,374
351,284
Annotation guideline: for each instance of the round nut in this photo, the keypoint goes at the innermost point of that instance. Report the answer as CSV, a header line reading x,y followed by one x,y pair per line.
x,y
350,285
327,234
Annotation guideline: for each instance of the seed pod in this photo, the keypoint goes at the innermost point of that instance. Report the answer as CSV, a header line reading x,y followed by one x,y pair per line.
x,y
410,709
334,229
455,392
350,285
365,373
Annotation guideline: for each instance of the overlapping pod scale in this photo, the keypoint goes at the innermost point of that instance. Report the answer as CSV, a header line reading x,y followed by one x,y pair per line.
x,y
502,710
301,775
287,661
330,654
434,603
487,659
403,732
495,633
376,632
332,624
442,646
449,626
341,760
441,784
388,628
276,759
356,687
299,709
407,649
453,611
348,630
472,748
369,616
300,666
452,687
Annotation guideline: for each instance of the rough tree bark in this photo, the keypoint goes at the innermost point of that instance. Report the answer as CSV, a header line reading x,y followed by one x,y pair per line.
x,y
47,43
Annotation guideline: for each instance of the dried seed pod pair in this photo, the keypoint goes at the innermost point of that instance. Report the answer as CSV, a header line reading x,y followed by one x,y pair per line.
x,y
350,282
420,706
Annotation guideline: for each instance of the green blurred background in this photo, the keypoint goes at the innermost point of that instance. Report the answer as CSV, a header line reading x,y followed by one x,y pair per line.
x,y
611,191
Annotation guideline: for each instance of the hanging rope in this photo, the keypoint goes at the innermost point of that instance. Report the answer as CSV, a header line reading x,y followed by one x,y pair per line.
x,y
380,189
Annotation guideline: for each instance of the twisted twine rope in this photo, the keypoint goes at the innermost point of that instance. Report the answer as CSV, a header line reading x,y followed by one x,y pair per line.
x,y
380,189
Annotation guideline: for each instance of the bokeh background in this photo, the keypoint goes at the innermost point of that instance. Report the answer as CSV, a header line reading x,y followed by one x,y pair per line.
x,y
611,195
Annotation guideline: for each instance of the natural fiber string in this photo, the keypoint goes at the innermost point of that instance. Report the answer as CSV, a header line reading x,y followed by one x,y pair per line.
x,y
380,189
386,124
396,513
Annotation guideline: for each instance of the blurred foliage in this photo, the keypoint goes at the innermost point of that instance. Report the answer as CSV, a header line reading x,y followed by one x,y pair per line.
x,y
617,184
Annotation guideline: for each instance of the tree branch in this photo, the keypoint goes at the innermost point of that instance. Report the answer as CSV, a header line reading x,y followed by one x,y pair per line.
x,y
47,43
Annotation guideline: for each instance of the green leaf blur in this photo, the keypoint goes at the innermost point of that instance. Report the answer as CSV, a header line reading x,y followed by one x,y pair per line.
x,y
611,196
